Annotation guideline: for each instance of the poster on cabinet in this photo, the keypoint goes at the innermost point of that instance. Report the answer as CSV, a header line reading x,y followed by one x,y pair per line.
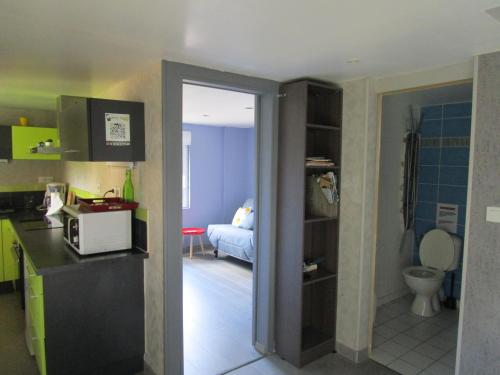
x,y
117,129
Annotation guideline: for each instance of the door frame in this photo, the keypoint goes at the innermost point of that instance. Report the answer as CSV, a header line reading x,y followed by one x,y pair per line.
x,y
174,75
380,98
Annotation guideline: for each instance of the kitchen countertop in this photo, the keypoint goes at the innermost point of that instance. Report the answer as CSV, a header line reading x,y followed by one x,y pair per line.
x,y
49,252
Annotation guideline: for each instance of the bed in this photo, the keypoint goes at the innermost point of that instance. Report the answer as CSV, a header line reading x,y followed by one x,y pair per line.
x,y
231,240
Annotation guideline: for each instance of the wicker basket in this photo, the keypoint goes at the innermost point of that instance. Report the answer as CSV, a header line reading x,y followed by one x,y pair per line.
x,y
316,203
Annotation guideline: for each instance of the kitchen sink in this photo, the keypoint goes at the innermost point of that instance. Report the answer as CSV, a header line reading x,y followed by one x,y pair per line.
x,y
42,223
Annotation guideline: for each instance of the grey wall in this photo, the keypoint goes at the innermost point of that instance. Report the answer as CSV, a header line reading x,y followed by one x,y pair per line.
x,y
479,330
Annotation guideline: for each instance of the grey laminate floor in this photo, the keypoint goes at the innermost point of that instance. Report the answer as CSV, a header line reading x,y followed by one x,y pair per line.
x,y
331,364
217,314
14,356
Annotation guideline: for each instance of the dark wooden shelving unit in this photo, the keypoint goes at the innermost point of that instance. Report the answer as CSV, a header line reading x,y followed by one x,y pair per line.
x,y
318,276
310,125
323,127
313,219
332,168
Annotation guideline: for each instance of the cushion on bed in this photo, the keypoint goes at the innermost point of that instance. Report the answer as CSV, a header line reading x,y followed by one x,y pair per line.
x,y
243,218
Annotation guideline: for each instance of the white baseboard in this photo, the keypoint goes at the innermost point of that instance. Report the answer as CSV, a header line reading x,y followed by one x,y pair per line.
x,y
356,356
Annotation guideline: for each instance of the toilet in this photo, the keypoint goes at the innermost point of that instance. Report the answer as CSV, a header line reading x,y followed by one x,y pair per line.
x,y
439,252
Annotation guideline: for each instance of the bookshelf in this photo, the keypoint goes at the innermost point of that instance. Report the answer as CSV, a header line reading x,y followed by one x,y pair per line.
x,y
310,126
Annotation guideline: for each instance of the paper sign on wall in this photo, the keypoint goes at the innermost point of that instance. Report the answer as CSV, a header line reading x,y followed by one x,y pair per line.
x,y
447,217
117,129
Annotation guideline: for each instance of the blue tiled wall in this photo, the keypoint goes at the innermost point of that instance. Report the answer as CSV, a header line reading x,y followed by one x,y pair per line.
x,y
443,172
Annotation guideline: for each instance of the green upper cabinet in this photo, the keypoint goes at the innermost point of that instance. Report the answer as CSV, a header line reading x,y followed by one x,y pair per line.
x,y
9,257
1,252
26,137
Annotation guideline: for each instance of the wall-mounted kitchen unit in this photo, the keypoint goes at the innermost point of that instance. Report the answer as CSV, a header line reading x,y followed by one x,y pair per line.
x,y
100,129
5,142
26,138
19,143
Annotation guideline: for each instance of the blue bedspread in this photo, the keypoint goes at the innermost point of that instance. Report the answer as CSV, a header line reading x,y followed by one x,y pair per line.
x,y
232,240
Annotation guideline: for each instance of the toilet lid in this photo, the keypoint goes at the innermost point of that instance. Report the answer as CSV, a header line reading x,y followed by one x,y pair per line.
x,y
437,249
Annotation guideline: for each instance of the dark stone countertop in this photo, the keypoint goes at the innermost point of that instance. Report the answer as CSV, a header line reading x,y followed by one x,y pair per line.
x,y
49,252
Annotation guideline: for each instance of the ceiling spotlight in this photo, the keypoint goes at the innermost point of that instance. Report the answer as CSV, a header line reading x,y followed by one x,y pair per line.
x,y
205,114
248,107
354,60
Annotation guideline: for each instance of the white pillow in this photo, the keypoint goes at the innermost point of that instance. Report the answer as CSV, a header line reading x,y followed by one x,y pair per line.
x,y
247,222
243,218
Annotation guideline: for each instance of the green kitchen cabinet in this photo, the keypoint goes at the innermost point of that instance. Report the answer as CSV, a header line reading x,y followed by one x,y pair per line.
x,y
36,313
1,252
9,260
26,137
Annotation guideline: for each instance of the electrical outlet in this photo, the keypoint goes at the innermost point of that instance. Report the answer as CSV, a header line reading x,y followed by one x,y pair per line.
x,y
45,179
117,192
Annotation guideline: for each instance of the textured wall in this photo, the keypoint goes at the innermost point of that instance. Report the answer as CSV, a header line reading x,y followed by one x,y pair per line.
x,y
148,177
357,224
479,329
27,171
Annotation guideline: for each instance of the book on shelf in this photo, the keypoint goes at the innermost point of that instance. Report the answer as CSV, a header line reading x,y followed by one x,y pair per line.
x,y
319,161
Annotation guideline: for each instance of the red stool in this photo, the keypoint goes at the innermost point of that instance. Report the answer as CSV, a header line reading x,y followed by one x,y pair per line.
x,y
194,232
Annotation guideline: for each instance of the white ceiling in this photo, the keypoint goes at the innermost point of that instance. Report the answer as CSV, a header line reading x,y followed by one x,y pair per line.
x,y
51,47
215,107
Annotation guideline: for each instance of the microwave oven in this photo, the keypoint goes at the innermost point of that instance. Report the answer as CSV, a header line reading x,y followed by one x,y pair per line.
x,y
97,232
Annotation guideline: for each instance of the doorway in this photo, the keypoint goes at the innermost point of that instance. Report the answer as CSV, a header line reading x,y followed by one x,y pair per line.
x,y
175,75
423,172
218,190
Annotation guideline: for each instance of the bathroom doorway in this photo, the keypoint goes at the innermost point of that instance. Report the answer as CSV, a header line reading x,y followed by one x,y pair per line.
x,y
422,196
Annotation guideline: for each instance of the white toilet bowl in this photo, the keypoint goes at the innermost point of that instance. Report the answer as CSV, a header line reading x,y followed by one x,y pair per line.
x,y
439,251
425,282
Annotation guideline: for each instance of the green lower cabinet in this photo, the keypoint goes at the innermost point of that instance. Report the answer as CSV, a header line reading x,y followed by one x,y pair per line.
x,y
26,137
37,315
9,260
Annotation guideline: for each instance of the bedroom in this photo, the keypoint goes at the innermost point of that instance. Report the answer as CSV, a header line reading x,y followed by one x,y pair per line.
x,y
218,209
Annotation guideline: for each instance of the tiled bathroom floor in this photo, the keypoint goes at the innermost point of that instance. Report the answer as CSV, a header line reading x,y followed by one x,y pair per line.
x,y
410,344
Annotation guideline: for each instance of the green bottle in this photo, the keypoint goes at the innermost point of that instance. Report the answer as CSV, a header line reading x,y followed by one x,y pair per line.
x,y
128,187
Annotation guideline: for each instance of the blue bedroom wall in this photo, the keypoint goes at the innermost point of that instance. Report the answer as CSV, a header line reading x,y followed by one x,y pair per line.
x,y
221,173
238,173
443,172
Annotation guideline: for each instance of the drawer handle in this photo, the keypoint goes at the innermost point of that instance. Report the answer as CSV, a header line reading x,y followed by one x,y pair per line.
x,y
33,296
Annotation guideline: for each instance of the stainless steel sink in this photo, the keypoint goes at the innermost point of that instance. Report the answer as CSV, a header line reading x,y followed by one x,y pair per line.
x,y
41,223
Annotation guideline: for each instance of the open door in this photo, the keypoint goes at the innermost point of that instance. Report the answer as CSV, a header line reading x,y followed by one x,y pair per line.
x,y
174,76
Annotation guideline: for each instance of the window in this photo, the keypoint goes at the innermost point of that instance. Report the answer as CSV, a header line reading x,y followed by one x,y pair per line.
x,y
186,173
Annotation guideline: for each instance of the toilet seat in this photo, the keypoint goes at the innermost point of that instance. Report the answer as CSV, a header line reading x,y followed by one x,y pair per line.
x,y
437,250
422,272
